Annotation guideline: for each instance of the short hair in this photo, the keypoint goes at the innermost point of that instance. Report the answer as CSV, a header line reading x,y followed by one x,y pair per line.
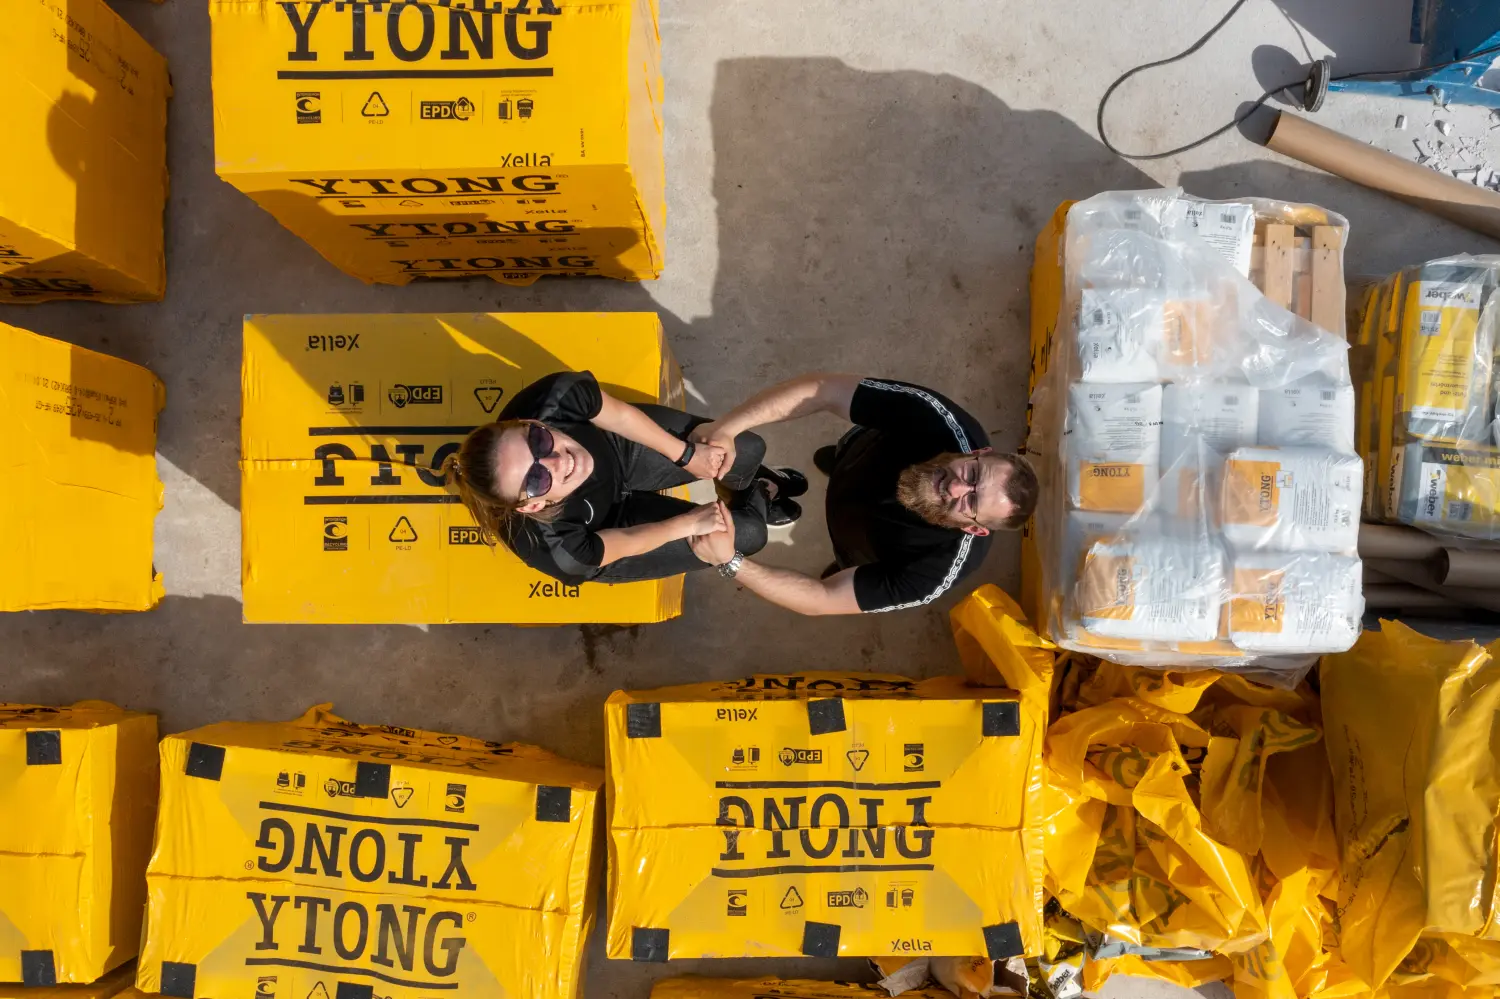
x,y
1021,489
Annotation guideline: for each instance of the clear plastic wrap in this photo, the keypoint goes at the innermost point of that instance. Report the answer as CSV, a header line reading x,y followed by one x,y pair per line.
x,y
1429,433
1201,493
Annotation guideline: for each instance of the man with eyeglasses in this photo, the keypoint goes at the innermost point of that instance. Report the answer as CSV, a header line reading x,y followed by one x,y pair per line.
x,y
914,494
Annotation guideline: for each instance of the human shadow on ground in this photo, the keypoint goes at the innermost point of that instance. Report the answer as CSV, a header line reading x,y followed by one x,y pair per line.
x,y
879,222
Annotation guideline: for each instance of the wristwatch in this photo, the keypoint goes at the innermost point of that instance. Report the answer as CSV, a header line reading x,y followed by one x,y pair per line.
x,y
731,568
687,455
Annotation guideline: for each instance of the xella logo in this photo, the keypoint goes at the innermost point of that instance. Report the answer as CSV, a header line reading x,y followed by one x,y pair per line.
x,y
790,756
856,899
402,396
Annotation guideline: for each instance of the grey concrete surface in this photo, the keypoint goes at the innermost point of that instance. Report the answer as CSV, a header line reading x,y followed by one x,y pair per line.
x,y
852,186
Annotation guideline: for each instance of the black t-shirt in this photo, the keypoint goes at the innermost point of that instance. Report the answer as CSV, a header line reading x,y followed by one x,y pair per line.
x,y
903,560
567,548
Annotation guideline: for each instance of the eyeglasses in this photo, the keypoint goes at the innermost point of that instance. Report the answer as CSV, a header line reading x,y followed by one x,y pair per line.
x,y
538,481
967,505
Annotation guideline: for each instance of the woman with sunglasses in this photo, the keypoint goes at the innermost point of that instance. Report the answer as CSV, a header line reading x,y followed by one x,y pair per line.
x,y
568,479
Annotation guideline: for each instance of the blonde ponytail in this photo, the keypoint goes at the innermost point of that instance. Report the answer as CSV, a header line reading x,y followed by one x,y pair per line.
x,y
472,472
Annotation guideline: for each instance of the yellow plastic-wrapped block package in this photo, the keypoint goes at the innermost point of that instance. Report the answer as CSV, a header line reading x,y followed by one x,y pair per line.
x,y
79,481
83,181
347,423
120,982
827,815
322,858
1193,436
777,988
71,874
432,140
1412,731
1429,430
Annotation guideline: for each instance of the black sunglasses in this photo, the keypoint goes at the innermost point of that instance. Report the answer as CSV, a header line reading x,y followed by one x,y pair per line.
x,y
538,481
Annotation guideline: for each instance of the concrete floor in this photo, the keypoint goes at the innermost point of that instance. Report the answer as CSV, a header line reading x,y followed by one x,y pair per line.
x,y
852,186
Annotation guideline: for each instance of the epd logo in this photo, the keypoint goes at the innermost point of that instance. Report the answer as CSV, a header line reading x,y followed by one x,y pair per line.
x,y
465,536
415,395
339,788
790,756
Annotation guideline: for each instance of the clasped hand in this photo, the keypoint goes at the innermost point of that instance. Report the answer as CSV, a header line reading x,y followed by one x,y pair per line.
x,y
714,542
709,461
710,435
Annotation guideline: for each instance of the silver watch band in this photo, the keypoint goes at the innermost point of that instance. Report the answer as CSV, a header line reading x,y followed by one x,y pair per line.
x,y
731,568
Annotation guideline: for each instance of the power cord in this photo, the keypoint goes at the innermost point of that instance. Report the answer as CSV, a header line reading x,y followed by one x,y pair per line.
x,y
1315,87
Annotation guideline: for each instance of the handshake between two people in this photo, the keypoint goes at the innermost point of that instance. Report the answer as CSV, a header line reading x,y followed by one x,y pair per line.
x,y
714,455
713,452
710,532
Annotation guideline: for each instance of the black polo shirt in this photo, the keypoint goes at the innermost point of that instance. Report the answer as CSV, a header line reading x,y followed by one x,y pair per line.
x,y
903,561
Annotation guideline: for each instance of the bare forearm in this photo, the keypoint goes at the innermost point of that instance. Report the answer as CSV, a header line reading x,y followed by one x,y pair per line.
x,y
798,592
801,396
623,542
624,419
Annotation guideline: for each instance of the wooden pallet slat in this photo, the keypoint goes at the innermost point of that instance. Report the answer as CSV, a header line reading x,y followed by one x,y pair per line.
x,y
1278,264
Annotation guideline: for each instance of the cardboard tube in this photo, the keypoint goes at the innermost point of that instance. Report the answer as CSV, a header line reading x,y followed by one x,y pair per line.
x,y
1399,596
1458,567
1421,575
1404,543
1466,204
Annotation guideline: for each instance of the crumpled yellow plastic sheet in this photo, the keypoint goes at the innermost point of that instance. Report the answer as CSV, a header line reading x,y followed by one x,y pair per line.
x,y
1412,742
1194,810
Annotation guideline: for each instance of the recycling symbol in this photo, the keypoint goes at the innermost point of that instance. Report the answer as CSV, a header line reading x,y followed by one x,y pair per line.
x,y
489,396
857,758
403,532
791,900
319,991
448,740
375,107
401,795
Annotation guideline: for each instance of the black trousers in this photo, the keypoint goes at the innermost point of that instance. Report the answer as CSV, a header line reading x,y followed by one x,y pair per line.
x,y
647,470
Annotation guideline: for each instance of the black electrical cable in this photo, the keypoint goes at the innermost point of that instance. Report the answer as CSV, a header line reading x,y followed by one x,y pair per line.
x,y
1259,102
